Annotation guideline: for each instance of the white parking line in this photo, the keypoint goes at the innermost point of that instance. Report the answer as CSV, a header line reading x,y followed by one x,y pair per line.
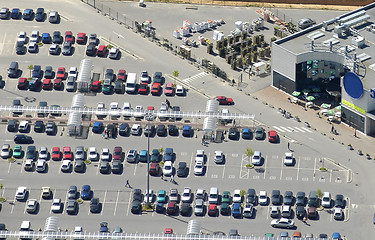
x,y
299,161
281,170
191,163
9,167
208,161
265,166
3,43
130,195
97,170
135,168
314,170
105,195
224,166
118,194
14,201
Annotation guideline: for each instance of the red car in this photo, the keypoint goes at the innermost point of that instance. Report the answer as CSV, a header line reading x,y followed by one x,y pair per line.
x,y
57,84
69,37
121,75
168,231
171,208
272,136
224,100
143,88
117,153
155,89
81,38
95,86
102,50
61,73
47,84
22,83
154,169
212,209
169,89
67,153
56,154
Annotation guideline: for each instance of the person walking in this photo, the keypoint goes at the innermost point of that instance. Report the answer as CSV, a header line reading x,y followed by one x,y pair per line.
x,y
168,103
355,132
127,184
162,175
289,146
172,178
332,128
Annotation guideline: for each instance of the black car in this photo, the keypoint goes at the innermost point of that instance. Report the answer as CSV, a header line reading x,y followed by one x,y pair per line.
x,y
57,38
276,197
109,75
155,155
161,130
50,128
104,167
158,78
91,49
182,170
116,166
112,130
119,87
38,126
71,207
172,130
288,198
185,209
72,192
79,165
233,133
300,212
124,129
48,73
42,104
34,84
340,202
94,205
28,14
136,207
251,196
31,153
137,194
40,15
301,199
20,48
22,139
12,125
17,103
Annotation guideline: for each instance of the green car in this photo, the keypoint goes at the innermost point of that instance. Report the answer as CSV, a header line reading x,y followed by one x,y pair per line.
x,y
225,198
107,87
162,196
17,151
224,209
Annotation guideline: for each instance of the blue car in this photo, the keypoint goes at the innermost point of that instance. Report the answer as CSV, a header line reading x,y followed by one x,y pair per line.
x,y
246,133
86,192
168,154
336,236
16,13
187,131
237,210
46,38
142,157
97,127
37,72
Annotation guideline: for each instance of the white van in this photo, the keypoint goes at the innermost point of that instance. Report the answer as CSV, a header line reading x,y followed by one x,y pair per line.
x,y
214,195
25,226
131,83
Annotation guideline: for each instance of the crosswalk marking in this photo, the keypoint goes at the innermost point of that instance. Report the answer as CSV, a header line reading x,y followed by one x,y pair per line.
x,y
195,77
292,129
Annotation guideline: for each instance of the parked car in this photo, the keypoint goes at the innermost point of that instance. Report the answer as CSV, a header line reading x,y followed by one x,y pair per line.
x,y
236,210
32,206
67,48
263,198
81,38
102,51
282,223
256,159
86,192
276,197
259,133
288,159
300,199
182,170
114,53
288,198
40,15
54,17
272,136
248,210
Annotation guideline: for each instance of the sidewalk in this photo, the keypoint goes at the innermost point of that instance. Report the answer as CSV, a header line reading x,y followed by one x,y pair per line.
x,y
279,99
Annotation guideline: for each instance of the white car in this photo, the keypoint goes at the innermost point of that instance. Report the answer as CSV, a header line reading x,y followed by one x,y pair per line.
x,y
93,154
24,126
41,165
248,210
34,37
56,205
198,168
326,200
21,193
138,112
199,156
126,106
105,154
113,53
33,47
338,214
100,108
186,195
168,168
43,153
144,77
5,151
219,157
72,72
66,165
54,49
180,91
286,211
22,37
288,159
256,159
200,194
135,130
237,196
31,205
282,223
263,198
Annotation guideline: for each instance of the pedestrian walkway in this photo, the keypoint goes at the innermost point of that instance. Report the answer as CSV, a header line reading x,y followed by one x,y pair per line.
x,y
292,129
195,77
279,99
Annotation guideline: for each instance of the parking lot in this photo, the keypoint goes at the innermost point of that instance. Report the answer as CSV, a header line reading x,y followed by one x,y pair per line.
x,y
138,54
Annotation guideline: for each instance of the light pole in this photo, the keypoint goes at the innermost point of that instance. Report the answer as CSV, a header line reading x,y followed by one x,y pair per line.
x,y
149,116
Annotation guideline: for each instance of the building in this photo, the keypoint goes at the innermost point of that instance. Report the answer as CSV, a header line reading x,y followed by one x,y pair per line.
x,y
335,60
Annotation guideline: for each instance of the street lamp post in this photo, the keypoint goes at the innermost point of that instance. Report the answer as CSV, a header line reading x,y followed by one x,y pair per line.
x,y
149,117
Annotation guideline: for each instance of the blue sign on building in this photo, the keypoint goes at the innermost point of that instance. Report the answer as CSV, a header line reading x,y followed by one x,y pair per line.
x,y
353,85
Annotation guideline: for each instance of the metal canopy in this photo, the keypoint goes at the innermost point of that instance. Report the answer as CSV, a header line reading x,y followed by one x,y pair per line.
x,y
212,106
209,124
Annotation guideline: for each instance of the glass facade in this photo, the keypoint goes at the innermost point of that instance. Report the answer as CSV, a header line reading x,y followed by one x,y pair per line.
x,y
283,83
353,119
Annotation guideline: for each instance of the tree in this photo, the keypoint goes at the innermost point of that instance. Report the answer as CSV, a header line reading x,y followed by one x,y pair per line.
x,y
30,67
175,73
249,152
319,193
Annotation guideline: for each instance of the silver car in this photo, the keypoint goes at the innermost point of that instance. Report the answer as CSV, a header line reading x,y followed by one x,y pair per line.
x,y
43,153
71,84
80,153
54,49
67,48
199,207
